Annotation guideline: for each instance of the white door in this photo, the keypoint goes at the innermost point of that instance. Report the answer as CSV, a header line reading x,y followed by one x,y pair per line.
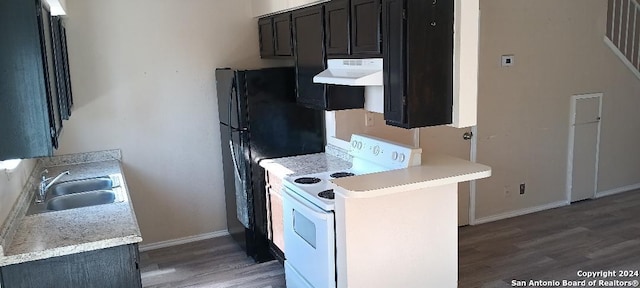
x,y
584,140
451,141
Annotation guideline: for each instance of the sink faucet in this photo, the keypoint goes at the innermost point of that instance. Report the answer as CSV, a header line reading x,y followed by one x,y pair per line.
x,y
46,183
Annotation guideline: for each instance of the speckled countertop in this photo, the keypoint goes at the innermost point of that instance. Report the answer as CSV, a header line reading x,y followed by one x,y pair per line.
x,y
52,234
305,164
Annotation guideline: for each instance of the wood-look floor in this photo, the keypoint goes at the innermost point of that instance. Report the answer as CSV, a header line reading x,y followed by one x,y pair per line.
x,y
592,235
217,262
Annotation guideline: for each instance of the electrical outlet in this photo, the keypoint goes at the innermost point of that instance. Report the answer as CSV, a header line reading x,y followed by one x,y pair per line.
x,y
522,187
368,119
507,60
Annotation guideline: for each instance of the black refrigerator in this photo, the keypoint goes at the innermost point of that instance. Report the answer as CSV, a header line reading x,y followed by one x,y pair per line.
x,y
259,119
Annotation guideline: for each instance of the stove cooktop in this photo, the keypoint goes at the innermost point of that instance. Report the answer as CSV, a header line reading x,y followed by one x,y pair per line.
x,y
369,155
316,188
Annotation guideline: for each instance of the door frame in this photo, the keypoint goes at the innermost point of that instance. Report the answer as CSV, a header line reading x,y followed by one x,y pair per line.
x,y
572,132
473,157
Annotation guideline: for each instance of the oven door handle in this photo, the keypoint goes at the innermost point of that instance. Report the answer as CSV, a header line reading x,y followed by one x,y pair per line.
x,y
299,205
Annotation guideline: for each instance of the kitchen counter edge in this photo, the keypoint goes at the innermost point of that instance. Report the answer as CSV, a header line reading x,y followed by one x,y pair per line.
x,y
436,170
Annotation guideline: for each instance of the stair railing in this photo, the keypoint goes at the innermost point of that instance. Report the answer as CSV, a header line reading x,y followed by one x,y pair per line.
x,y
623,32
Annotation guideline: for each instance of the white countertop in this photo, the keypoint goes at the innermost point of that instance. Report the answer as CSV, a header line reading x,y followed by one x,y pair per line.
x,y
436,170
59,233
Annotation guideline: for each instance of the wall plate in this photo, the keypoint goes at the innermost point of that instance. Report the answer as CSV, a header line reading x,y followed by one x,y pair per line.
x,y
507,60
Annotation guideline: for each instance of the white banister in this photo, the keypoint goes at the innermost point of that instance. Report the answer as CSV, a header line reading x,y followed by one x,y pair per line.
x,y
622,34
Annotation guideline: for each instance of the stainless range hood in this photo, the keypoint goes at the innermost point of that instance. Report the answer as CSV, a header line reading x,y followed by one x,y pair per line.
x,y
352,72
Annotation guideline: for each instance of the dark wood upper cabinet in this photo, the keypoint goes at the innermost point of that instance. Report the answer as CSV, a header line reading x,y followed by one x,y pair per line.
x,y
47,42
337,27
282,29
418,62
63,78
310,59
394,61
266,36
34,100
365,27
275,36
309,55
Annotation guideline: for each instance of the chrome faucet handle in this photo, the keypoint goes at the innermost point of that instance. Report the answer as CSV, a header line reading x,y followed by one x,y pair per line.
x,y
44,174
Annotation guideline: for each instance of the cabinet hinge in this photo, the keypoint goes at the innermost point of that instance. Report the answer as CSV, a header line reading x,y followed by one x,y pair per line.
x,y
404,14
52,131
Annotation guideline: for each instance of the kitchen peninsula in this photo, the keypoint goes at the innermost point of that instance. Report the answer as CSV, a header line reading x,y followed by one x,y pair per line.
x,y
392,227
399,228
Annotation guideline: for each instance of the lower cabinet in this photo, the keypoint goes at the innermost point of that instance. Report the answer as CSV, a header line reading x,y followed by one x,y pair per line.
x,y
275,210
277,223
110,267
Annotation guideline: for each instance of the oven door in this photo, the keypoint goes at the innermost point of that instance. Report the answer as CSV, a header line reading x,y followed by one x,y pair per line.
x,y
309,234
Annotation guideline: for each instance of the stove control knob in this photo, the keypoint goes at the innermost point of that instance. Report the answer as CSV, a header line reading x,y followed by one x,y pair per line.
x,y
394,156
359,145
354,144
401,157
376,150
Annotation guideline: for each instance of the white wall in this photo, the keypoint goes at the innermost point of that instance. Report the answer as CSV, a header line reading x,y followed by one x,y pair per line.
x,y
143,81
353,122
11,184
523,112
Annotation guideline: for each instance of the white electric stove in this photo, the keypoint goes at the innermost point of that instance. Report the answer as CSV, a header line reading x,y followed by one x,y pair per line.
x,y
309,227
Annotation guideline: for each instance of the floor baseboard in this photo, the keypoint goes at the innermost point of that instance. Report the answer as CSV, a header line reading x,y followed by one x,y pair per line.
x,y
184,240
520,212
618,190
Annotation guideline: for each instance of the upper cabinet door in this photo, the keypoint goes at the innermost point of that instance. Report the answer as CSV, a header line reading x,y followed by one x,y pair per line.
x,y
365,27
60,67
421,32
265,30
26,129
394,62
51,80
282,27
308,43
337,27
65,68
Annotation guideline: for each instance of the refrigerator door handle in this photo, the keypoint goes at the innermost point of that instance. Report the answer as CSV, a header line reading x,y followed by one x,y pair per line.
x,y
232,129
236,168
234,92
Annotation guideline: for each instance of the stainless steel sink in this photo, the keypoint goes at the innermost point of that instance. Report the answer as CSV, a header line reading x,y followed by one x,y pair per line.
x,y
79,186
80,193
78,200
